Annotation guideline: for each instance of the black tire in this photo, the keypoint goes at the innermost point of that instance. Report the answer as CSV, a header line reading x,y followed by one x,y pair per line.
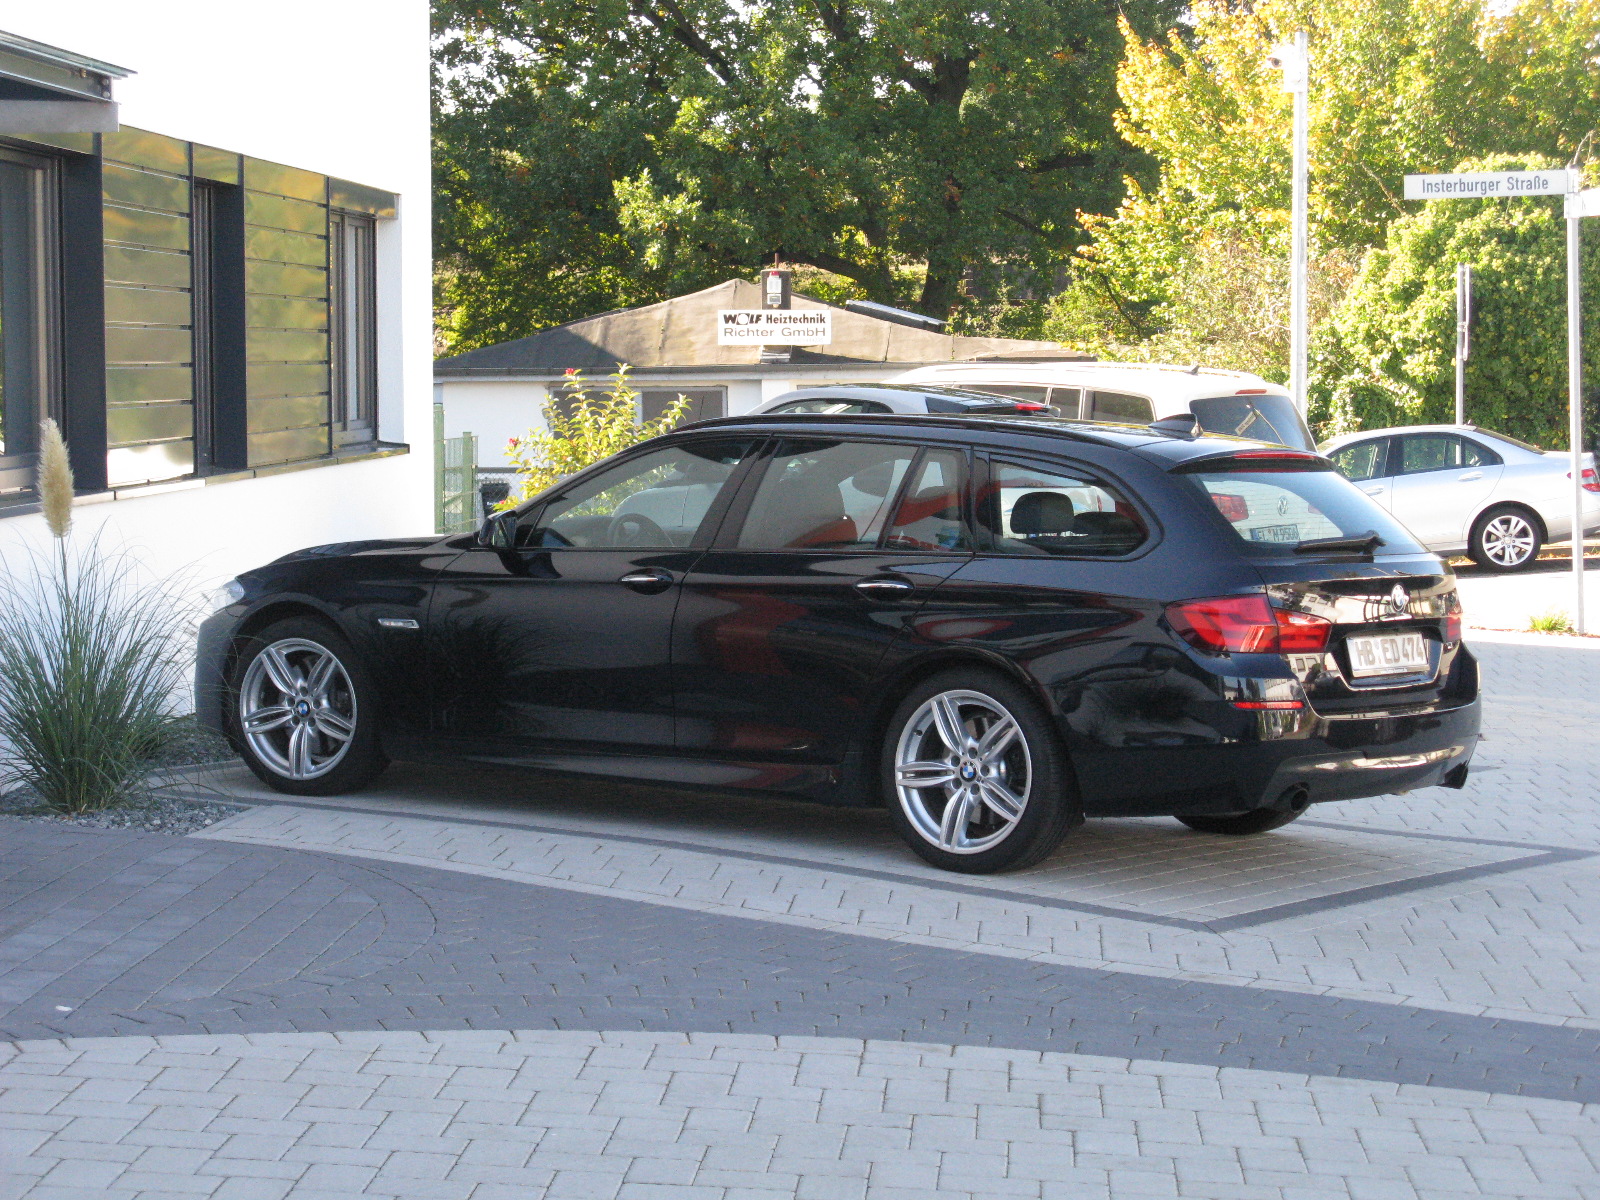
x,y
1506,537
1257,820
361,759
1031,760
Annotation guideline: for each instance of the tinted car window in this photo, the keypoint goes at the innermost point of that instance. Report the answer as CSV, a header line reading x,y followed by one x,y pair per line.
x,y
1065,401
1276,509
1264,418
831,407
1364,460
1033,510
824,495
1120,406
930,515
1036,393
1440,452
655,501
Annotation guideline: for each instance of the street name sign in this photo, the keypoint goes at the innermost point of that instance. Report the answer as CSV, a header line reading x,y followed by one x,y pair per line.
x,y
774,327
1489,185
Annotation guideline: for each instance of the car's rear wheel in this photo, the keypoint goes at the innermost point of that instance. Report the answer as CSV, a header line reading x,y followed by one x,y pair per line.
x,y
1257,820
976,778
1506,538
303,711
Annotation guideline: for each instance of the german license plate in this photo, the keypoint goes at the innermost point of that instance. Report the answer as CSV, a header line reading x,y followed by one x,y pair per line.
x,y
1388,654
1275,533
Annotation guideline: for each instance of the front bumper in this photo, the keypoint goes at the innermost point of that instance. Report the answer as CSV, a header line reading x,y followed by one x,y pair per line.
x,y
213,647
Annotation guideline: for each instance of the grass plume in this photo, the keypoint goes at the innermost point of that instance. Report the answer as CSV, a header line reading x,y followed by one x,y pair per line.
x,y
55,479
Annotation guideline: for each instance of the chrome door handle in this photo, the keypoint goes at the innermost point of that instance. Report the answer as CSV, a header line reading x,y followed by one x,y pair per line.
x,y
1374,491
882,586
648,580
1469,476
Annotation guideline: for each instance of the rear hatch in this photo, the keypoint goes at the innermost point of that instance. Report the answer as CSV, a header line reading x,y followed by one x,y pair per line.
x,y
1377,618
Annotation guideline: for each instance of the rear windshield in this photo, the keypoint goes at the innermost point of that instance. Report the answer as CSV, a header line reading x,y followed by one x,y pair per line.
x,y
1261,418
1275,510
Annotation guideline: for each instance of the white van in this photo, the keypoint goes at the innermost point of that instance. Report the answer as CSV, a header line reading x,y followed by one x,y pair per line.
x,y
1232,402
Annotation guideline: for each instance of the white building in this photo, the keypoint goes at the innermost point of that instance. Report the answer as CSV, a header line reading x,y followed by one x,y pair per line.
x,y
214,243
499,392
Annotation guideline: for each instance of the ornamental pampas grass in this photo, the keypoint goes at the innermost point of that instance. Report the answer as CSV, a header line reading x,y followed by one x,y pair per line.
x,y
55,479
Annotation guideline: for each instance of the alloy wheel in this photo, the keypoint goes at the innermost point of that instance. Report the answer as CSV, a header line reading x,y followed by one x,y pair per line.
x,y
962,771
297,708
1508,540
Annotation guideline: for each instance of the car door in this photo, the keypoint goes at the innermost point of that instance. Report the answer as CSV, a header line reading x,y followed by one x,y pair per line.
x,y
566,640
1365,464
784,621
1442,483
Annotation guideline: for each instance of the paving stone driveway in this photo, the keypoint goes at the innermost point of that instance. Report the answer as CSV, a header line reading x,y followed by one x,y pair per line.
x,y
546,989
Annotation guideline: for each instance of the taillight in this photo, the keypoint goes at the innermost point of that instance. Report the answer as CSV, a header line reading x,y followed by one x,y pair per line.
x,y
1452,618
1025,407
1591,481
1232,507
1246,625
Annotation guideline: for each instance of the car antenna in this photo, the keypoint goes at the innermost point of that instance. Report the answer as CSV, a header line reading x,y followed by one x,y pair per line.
x,y
1195,370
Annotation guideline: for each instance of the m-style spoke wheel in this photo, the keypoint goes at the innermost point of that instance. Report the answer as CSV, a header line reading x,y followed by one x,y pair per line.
x,y
1505,538
975,775
301,719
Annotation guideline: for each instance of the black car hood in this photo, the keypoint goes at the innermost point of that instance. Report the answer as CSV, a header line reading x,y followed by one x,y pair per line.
x,y
347,549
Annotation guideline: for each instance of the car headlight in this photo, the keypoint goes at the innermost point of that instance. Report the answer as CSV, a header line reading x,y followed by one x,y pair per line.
x,y
219,598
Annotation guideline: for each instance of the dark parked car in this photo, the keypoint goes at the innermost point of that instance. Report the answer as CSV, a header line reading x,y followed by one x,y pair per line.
x,y
993,626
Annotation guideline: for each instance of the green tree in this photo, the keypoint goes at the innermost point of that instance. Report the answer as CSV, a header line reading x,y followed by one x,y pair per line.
x,y
623,150
1390,356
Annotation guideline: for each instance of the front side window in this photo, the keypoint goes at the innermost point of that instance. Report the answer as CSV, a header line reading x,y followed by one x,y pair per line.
x,y
657,501
1120,407
931,514
1042,511
1421,452
1362,461
27,307
353,299
821,494
1278,509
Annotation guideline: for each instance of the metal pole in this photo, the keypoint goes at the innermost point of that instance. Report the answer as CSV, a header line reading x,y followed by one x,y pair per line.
x,y
1297,298
1463,336
1575,399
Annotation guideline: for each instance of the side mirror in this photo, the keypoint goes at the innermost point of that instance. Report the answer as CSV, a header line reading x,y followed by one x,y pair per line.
x,y
499,531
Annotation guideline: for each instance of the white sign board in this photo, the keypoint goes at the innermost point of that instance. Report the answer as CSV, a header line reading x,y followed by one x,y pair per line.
x,y
774,327
1489,185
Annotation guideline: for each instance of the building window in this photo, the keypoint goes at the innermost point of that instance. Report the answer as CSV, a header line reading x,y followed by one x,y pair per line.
x,y
217,246
704,403
28,301
352,259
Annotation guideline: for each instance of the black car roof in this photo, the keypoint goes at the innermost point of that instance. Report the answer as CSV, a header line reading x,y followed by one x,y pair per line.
x,y
1140,439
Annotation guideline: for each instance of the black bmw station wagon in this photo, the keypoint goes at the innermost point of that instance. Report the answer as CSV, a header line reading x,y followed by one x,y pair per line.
x,y
995,627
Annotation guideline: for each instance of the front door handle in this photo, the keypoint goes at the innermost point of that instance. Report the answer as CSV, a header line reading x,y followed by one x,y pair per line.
x,y
883,587
649,580
1469,476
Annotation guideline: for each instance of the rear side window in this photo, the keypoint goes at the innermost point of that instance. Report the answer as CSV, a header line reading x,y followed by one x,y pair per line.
x,y
825,495
1421,452
1065,401
1261,418
1034,510
1275,510
1362,461
1120,406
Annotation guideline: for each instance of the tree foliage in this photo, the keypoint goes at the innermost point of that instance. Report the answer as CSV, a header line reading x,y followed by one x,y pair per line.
x,y
615,151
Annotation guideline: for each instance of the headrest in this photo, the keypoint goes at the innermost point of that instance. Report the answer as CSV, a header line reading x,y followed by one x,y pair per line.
x,y
1039,513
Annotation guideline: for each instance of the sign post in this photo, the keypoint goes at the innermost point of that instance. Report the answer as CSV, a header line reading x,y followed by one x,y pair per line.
x,y
1500,185
1294,60
1463,336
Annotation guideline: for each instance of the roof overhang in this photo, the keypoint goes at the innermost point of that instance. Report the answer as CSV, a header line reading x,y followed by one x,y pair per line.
x,y
44,89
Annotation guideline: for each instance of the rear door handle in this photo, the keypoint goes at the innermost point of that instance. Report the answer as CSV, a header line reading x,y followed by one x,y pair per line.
x,y
882,587
1469,476
1374,491
649,580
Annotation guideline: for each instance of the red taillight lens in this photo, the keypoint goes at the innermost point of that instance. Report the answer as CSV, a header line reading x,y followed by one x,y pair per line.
x,y
1591,481
1031,408
1246,625
1232,507
1452,618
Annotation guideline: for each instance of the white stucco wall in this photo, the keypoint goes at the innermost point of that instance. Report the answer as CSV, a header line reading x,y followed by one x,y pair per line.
x,y
334,86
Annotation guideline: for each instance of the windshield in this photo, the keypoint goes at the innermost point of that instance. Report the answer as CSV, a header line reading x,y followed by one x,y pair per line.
x,y
1262,418
1276,510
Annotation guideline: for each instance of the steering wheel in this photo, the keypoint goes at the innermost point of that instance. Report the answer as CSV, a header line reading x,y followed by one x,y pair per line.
x,y
635,529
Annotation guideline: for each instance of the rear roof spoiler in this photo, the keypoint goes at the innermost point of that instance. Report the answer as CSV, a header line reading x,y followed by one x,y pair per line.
x,y
1263,459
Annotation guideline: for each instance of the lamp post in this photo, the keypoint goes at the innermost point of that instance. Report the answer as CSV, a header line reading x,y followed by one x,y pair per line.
x,y
1294,60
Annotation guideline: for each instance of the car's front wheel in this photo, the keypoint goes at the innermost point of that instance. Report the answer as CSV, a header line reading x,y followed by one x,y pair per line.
x,y
976,778
1505,538
303,712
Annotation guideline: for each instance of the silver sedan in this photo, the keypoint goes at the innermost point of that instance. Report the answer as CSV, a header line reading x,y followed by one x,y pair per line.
x,y
1461,489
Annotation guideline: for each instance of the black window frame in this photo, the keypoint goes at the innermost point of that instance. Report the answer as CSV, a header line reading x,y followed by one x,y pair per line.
x,y
217,290
352,327
1091,475
42,339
